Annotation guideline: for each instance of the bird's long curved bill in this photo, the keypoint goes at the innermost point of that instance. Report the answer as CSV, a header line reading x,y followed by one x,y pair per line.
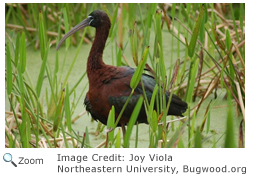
x,y
81,25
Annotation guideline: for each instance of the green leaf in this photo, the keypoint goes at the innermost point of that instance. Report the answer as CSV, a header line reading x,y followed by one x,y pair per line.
x,y
132,13
58,113
241,17
194,37
148,23
113,20
23,53
231,66
87,139
192,79
24,125
17,49
42,36
230,132
134,44
119,57
173,10
205,14
233,12
151,105
154,123
66,26
67,109
162,65
198,138
42,72
208,121
9,70
111,123
139,71
186,14
132,121
228,40
118,139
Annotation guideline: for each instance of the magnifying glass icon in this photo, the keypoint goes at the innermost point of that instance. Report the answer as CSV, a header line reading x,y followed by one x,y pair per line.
x,y
8,158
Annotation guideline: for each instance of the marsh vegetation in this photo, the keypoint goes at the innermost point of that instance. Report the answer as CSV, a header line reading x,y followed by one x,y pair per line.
x,y
196,51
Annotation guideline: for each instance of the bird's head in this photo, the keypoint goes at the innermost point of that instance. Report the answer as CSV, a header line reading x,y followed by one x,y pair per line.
x,y
95,19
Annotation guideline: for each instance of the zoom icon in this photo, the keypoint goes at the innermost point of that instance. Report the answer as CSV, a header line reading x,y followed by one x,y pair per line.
x,y
8,158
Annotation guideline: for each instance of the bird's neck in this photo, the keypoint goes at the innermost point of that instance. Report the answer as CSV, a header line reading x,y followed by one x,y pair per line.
x,y
95,57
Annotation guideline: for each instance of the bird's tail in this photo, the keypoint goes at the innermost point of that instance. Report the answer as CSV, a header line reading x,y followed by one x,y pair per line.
x,y
177,106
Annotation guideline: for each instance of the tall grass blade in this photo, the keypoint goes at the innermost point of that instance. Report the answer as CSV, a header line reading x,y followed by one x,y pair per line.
x,y
17,49
8,70
173,10
154,127
42,72
195,33
66,26
202,25
234,23
23,53
139,71
208,121
230,132
24,124
118,139
42,36
161,65
132,121
113,20
148,23
119,57
198,138
67,109
58,113
192,79
136,138
151,105
64,135
134,44
87,139
110,124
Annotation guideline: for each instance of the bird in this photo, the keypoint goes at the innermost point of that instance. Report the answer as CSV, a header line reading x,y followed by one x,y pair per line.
x,y
110,85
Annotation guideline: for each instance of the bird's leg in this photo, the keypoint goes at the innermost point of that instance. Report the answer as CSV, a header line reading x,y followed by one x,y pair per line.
x,y
123,129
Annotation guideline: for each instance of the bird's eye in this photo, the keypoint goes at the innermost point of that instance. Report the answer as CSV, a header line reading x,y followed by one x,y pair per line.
x,y
91,19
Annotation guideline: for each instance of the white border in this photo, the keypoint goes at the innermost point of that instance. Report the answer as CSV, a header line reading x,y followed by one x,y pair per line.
x,y
193,157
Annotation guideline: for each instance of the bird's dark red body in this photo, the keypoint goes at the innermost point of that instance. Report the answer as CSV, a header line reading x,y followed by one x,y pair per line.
x,y
109,85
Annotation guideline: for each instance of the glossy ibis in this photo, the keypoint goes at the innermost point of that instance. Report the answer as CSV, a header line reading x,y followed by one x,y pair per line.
x,y
110,85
